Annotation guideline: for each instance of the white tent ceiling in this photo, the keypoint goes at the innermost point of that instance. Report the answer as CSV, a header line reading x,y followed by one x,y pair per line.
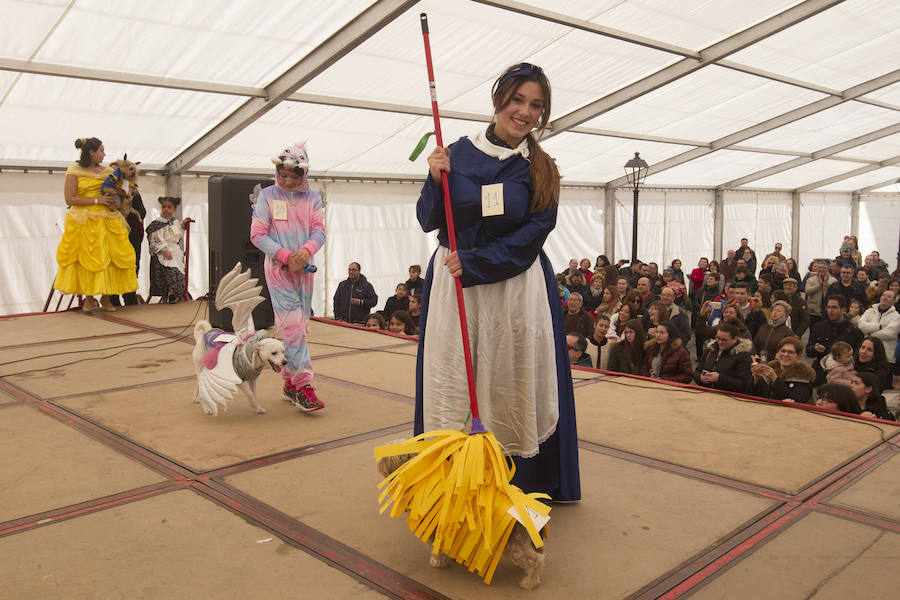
x,y
769,94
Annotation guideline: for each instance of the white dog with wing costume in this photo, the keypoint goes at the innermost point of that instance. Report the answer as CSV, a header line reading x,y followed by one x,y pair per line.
x,y
225,362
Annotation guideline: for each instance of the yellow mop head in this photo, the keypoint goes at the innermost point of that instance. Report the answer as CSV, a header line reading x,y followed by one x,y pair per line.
x,y
457,489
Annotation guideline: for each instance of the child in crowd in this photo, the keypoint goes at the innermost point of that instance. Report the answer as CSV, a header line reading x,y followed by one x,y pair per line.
x,y
668,277
401,322
415,308
838,365
563,290
854,311
376,321
399,301
165,238
415,284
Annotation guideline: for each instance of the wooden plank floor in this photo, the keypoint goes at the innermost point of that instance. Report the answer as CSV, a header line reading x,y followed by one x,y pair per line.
x,y
115,485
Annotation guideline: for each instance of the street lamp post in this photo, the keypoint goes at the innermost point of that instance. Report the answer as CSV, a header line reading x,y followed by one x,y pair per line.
x,y
635,172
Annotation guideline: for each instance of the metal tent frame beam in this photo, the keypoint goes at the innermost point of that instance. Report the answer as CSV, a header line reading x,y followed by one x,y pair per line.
x,y
351,35
155,81
709,55
726,142
610,32
875,186
561,19
823,153
860,171
119,77
382,12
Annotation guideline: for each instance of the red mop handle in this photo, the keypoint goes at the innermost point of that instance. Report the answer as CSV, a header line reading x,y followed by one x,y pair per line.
x,y
187,255
451,234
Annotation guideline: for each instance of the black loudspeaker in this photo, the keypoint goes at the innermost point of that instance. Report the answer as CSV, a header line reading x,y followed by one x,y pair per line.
x,y
229,243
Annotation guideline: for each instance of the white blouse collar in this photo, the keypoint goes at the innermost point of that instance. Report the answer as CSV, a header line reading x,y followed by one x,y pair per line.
x,y
481,142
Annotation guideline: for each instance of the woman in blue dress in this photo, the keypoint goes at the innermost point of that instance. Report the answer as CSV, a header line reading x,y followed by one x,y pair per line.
x,y
505,191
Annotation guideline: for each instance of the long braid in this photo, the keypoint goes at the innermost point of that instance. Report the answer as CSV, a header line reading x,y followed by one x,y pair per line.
x,y
544,177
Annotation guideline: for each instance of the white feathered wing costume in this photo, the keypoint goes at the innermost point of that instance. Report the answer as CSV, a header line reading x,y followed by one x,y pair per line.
x,y
219,371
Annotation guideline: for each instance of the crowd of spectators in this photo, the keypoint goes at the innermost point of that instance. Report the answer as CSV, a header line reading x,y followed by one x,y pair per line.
x,y
770,332
744,324
355,297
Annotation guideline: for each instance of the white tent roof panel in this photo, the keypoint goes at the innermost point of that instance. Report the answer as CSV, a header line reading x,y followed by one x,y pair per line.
x,y
889,94
804,174
843,46
860,181
715,169
333,134
201,45
7,78
149,123
242,43
392,155
593,66
730,101
22,41
693,24
583,157
470,43
832,126
891,188
875,150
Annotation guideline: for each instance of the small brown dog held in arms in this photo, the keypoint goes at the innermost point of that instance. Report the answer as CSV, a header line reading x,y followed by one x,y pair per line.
x,y
519,549
129,173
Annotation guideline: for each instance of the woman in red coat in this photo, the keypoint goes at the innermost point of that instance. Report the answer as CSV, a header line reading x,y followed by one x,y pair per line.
x,y
699,274
665,357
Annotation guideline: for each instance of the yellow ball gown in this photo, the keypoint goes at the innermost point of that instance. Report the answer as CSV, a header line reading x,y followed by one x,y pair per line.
x,y
94,255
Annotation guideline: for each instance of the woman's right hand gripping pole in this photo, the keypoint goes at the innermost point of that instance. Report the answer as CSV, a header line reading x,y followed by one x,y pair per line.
x,y
438,160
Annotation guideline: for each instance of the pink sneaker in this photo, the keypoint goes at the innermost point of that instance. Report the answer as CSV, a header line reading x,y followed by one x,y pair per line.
x,y
289,393
307,400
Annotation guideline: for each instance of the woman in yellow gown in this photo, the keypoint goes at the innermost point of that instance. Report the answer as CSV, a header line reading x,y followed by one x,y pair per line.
x,y
94,255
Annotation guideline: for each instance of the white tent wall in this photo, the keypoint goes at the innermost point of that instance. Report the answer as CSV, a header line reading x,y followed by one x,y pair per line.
x,y
32,217
194,205
32,213
671,224
879,227
764,218
579,228
824,221
375,224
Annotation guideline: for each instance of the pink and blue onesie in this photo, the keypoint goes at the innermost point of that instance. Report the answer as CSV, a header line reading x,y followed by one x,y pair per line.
x,y
284,222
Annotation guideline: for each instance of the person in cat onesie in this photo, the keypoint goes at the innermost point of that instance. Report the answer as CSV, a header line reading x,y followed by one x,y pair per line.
x,y
289,227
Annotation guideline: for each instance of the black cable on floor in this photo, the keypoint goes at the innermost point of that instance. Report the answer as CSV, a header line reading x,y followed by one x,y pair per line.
x,y
131,346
